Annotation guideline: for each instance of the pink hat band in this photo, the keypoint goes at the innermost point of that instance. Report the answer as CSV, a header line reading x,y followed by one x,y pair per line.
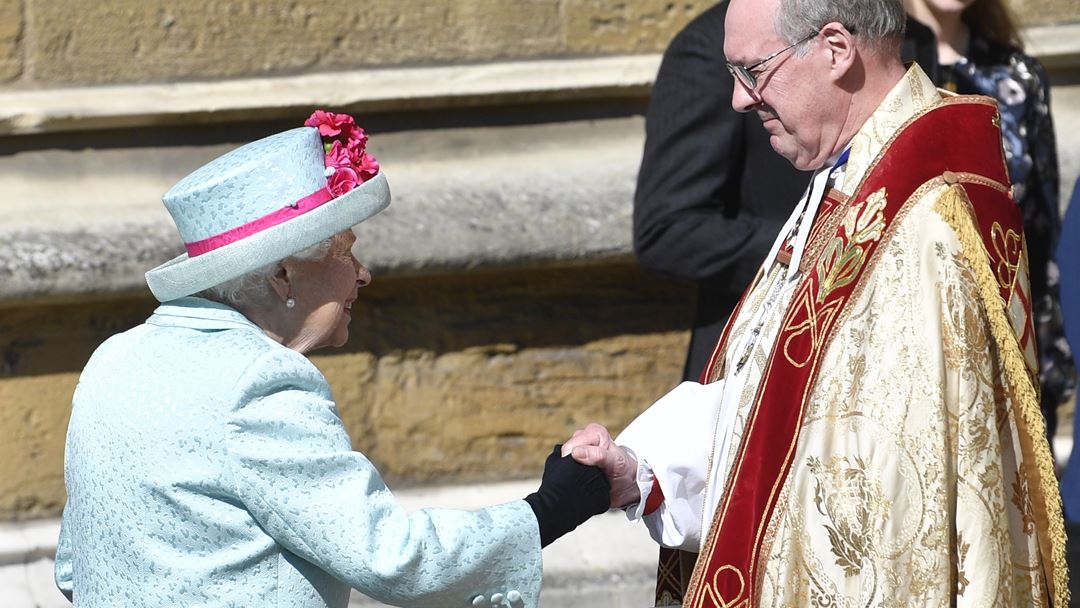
x,y
279,216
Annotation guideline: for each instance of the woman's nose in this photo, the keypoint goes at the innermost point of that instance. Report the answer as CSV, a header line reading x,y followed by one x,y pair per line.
x,y
363,275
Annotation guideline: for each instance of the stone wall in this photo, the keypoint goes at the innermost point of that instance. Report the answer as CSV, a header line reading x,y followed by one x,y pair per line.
x,y
157,40
46,43
456,378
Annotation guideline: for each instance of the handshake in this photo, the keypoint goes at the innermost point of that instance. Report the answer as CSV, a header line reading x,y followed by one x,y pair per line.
x,y
583,477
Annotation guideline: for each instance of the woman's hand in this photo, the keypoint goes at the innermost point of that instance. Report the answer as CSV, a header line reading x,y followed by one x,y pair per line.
x,y
569,494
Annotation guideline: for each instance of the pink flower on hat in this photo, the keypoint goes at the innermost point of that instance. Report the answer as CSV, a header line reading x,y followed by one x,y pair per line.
x,y
342,180
331,124
368,166
357,139
340,156
344,144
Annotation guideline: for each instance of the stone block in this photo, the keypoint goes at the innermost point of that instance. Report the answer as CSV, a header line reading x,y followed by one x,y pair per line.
x,y
11,39
33,421
138,41
641,26
1045,12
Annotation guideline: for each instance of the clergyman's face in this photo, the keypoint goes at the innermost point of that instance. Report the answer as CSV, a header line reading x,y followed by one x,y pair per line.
x,y
792,93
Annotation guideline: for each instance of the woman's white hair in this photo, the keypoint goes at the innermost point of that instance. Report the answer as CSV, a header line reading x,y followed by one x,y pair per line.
x,y
253,289
879,23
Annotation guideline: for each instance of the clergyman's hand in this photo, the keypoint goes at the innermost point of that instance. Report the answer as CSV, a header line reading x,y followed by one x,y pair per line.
x,y
593,446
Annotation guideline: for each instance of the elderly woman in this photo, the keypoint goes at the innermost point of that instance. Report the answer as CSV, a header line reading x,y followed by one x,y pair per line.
x,y
206,462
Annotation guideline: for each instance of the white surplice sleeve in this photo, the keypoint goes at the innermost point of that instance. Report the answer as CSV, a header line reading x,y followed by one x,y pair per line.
x,y
673,440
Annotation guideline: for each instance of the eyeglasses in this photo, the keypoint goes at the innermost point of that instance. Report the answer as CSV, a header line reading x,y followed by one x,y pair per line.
x,y
745,74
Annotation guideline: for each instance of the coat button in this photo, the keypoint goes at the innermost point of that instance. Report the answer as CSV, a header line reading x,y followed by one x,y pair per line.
x,y
513,596
479,600
496,599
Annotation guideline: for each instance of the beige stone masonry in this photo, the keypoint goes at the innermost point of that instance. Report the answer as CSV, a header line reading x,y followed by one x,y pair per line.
x,y
360,91
1045,12
10,39
158,40
1057,47
378,89
154,40
56,43
603,26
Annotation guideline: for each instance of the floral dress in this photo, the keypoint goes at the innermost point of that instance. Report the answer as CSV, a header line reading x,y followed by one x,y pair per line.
x,y
1019,84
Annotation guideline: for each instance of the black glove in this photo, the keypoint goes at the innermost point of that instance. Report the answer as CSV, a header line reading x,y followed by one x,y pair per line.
x,y
569,494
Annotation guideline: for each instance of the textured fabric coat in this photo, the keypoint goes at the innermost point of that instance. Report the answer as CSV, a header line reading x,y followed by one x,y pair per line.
x,y
207,465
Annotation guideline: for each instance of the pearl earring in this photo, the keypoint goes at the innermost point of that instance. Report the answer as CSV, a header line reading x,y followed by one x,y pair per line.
x,y
290,302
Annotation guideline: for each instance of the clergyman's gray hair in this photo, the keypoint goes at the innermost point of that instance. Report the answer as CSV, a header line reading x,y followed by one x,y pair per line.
x,y
877,22
253,289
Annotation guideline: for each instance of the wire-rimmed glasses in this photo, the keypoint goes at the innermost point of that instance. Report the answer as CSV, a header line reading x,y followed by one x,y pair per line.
x,y
745,74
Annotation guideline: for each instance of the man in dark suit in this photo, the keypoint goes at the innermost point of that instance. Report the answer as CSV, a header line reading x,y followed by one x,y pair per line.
x,y
712,194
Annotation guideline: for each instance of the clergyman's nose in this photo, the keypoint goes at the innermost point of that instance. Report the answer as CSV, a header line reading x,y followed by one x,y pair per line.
x,y
742,98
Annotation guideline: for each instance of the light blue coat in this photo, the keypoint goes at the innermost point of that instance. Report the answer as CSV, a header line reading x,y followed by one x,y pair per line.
x,y
207,465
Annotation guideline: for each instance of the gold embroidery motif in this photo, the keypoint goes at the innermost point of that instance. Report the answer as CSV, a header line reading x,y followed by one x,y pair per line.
x,y
844,257
846,494
962,548
809,318
1007,246
710,590
1021,499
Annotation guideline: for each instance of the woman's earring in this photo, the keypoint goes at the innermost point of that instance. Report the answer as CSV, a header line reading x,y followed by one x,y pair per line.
x,y
290,302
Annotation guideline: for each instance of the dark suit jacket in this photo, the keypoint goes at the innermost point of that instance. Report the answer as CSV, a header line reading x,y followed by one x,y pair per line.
x,y
712,194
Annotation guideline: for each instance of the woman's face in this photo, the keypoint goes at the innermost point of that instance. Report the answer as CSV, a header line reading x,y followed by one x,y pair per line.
x,y
324,291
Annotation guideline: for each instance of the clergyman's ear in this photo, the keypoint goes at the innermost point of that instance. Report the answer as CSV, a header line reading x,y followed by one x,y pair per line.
x,y
840,43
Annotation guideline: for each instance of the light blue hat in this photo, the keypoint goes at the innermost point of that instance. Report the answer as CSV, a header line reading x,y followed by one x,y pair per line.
x,y
257,205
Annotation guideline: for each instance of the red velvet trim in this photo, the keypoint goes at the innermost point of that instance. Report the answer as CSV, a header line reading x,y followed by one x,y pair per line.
x,y
655,499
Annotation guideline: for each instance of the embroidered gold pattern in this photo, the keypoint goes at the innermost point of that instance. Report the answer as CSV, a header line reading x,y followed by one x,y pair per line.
x,y
1007,250
1021,499
843,257
710,589
962,548
846,494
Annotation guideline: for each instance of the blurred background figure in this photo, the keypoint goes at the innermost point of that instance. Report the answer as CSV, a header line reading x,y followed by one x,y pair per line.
x,y
979,51
711,194
1068,256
